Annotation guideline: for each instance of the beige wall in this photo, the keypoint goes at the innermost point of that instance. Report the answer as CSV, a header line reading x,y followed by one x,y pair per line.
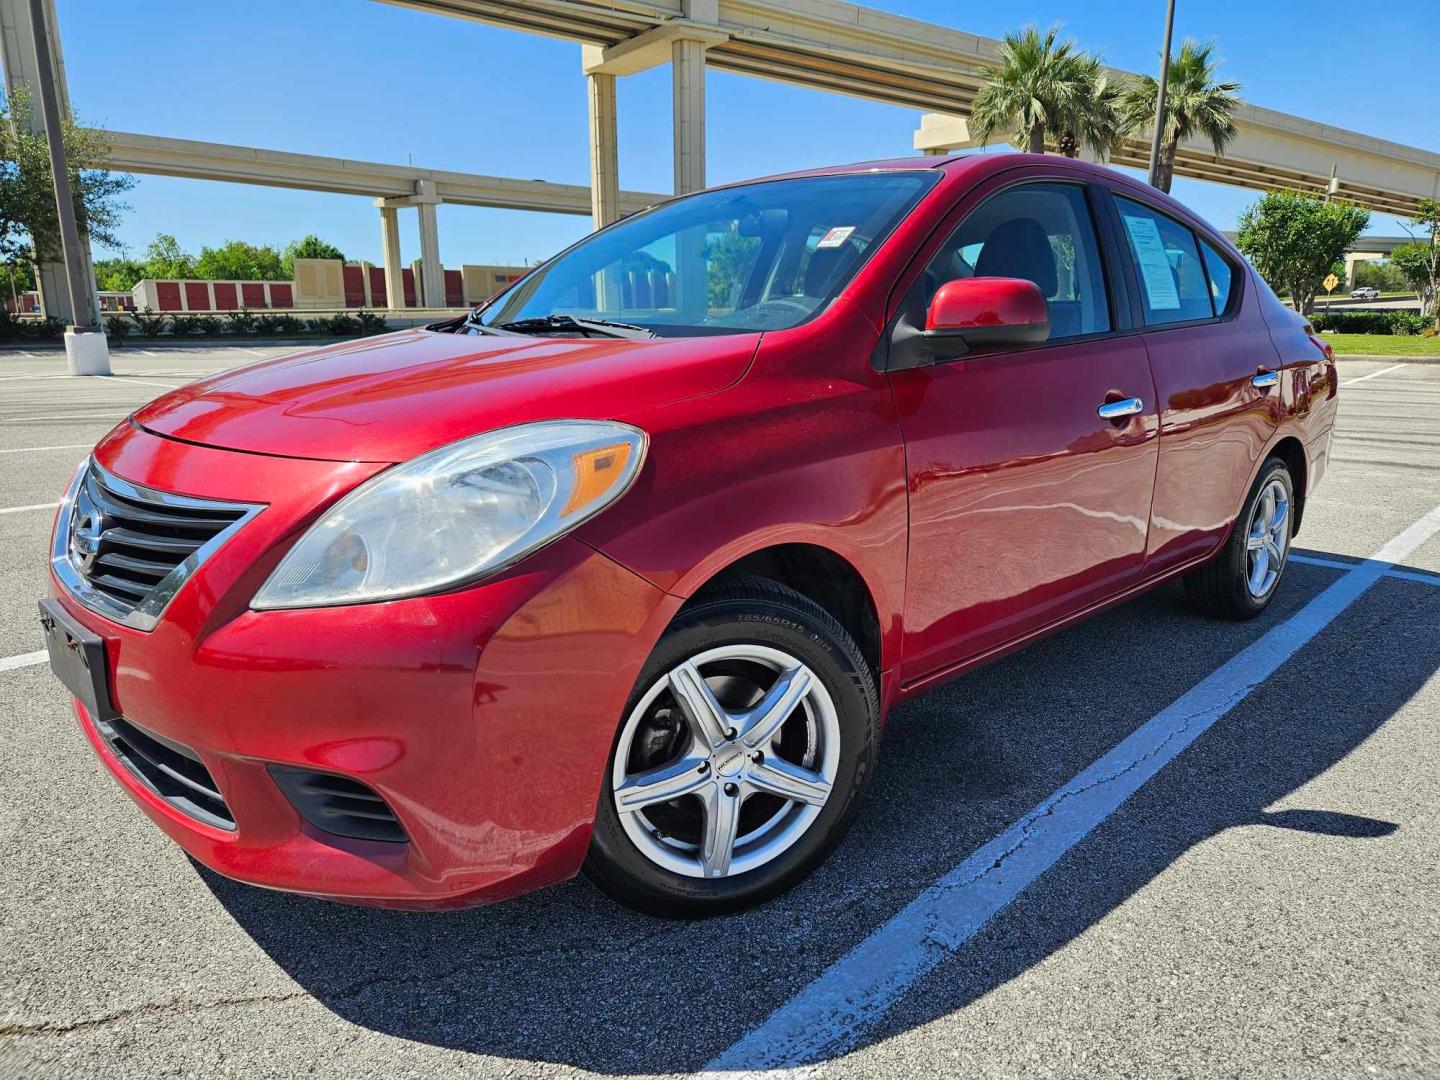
x,y
319,283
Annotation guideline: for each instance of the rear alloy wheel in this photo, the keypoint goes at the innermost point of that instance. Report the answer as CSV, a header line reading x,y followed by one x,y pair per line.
x,y
1241,580
741,758
1267,541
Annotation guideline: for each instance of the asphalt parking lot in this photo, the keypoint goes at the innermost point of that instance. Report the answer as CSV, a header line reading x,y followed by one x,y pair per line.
x,y
1265,903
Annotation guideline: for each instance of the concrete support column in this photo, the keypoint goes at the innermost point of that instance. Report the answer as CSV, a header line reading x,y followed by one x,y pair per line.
x,y
390,249
604,150
18,56
688,63
432,273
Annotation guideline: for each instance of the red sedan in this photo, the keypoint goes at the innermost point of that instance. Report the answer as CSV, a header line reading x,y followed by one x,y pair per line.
x,y
625,569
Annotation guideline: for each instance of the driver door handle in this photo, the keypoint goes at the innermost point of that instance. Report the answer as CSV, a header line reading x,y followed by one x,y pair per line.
x,y
1265,379
1116,410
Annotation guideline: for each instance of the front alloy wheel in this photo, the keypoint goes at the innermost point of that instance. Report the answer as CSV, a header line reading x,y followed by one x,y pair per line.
x,y
752,735
741,757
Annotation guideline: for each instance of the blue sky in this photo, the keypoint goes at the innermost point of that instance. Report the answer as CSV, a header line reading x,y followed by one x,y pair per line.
x,y
366,80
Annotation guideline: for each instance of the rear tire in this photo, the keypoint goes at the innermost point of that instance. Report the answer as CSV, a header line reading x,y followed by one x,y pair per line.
x,y
760,649
1242,579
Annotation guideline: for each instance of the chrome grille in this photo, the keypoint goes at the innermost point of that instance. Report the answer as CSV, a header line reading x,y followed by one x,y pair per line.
x,y
124,550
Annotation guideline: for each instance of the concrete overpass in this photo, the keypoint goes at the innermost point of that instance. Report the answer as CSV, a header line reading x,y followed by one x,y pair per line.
x,y
392,187
844,48
1368,249
160,156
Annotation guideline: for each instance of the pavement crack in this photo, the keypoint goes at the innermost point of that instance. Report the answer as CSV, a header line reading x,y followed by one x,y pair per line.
x,y
1029,824
176,1008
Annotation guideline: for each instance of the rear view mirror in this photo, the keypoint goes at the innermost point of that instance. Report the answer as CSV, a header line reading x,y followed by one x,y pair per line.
x,y
765,223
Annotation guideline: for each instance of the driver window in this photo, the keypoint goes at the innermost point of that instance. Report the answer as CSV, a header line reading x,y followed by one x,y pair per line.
x,y
1042,233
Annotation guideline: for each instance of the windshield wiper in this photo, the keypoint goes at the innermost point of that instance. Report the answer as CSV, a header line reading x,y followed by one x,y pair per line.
x,y
471,322
599,327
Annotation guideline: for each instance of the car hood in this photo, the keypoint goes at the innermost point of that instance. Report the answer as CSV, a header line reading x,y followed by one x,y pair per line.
x,y
392,397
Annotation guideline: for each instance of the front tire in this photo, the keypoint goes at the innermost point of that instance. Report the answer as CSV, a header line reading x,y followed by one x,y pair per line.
x,y
742,755
1242,579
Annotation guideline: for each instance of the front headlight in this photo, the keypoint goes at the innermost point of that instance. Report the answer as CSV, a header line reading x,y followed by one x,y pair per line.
x,y
457,513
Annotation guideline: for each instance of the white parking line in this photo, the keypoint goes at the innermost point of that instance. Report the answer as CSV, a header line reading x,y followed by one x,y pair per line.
x,y
10,663
147,382
1373,375
834,1011
1336,564
37,449
65,416
32,506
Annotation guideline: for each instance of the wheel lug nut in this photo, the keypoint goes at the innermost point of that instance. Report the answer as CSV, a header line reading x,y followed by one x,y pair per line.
x,y
731,789
729,733
704,767
758,757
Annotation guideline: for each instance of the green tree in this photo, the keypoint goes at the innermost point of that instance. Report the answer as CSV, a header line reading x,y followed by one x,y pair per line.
x,y
119,274
1045,87
19,278
166,259
310,247
1195,105
29,228
236,259
1294,240
729,257
1420,261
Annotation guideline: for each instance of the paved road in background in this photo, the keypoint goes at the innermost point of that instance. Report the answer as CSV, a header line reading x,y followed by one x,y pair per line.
x,y
1265,905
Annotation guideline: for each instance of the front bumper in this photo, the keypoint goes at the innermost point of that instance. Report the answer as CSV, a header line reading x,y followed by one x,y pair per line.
x,y
484,717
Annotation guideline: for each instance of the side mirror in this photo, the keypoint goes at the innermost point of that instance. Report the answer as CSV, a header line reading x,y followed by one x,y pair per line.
x,y
970,313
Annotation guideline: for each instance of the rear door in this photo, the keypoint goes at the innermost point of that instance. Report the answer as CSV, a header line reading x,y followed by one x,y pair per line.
x,y
1025,505
1215,369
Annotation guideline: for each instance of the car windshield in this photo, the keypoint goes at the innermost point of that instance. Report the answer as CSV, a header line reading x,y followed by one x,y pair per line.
x,y
761,256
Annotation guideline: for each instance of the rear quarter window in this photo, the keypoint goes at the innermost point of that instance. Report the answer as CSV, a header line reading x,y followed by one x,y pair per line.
x,y
1222,277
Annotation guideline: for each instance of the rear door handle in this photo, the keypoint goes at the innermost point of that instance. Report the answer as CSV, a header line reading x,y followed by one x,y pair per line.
x,y
1116,410
1265,379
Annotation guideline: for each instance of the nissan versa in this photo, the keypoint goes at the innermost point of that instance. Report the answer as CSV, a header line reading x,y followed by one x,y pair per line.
x,y
623,570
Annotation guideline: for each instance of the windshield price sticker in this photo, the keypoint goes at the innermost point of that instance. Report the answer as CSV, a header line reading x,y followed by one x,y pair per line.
x,y
1154,263
836,236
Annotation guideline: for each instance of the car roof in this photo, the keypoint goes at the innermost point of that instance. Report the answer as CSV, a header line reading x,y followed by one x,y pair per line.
x,y
952,164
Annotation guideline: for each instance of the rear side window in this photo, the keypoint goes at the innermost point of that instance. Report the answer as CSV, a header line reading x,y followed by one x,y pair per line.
x,y
1222,277
1173,284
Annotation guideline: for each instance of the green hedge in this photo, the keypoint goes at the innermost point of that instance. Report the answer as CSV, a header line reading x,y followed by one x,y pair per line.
x,y
1402,323
13,329
243,324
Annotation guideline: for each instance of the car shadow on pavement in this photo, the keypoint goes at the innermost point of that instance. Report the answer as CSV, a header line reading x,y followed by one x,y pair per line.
x,y
566,976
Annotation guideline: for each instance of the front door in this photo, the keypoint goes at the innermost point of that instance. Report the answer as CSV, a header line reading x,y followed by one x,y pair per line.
x,y
1026,504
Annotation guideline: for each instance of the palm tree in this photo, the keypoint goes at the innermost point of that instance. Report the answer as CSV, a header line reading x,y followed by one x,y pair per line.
x,y
1195,104
1094,118
1046,87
